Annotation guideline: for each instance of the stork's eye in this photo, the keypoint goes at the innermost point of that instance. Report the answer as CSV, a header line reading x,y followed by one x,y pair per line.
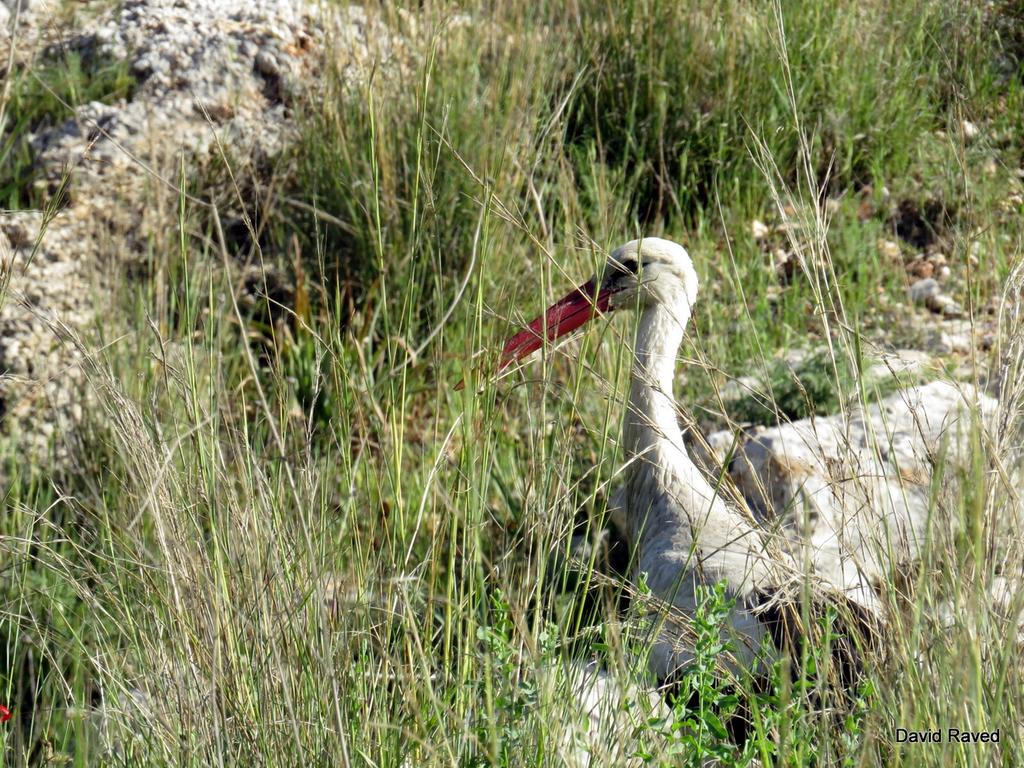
x,y
630,265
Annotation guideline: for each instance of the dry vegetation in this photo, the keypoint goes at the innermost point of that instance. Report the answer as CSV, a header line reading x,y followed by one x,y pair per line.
x,y
287,539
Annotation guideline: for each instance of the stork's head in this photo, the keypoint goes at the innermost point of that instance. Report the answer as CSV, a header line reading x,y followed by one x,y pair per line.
x,y
649,271
639,274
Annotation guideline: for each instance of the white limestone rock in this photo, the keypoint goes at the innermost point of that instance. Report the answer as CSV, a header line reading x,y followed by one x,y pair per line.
x,y
209,74
851,492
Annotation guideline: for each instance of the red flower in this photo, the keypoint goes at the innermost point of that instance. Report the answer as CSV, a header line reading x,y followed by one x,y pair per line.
x,y
5,714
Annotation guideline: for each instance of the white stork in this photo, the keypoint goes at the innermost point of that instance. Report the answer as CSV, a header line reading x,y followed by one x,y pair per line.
x,y
685,533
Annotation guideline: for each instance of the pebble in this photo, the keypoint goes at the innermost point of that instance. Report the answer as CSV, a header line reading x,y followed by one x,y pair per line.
x,y
920,268
924,290
889,249
944,305
1012,202
956,336
266,64
928,292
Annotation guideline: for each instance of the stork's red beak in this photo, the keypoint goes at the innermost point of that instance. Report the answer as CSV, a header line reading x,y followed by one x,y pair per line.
x,y
564,316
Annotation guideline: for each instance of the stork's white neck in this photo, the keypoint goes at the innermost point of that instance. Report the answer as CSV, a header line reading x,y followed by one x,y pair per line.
x,y
683,531
651,418
671,506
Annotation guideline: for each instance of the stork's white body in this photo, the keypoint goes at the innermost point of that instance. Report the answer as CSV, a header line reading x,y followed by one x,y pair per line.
x,y
684,531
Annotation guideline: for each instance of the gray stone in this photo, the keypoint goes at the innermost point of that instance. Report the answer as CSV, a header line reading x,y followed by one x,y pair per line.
x,y
928,292
901,362
957,336
923,290
945,306
850,492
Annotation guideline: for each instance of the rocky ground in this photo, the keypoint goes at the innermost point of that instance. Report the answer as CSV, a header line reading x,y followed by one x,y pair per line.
x,y
941,325
213,78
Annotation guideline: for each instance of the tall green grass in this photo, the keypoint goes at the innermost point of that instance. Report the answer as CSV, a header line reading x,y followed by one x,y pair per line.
x,y
290,540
